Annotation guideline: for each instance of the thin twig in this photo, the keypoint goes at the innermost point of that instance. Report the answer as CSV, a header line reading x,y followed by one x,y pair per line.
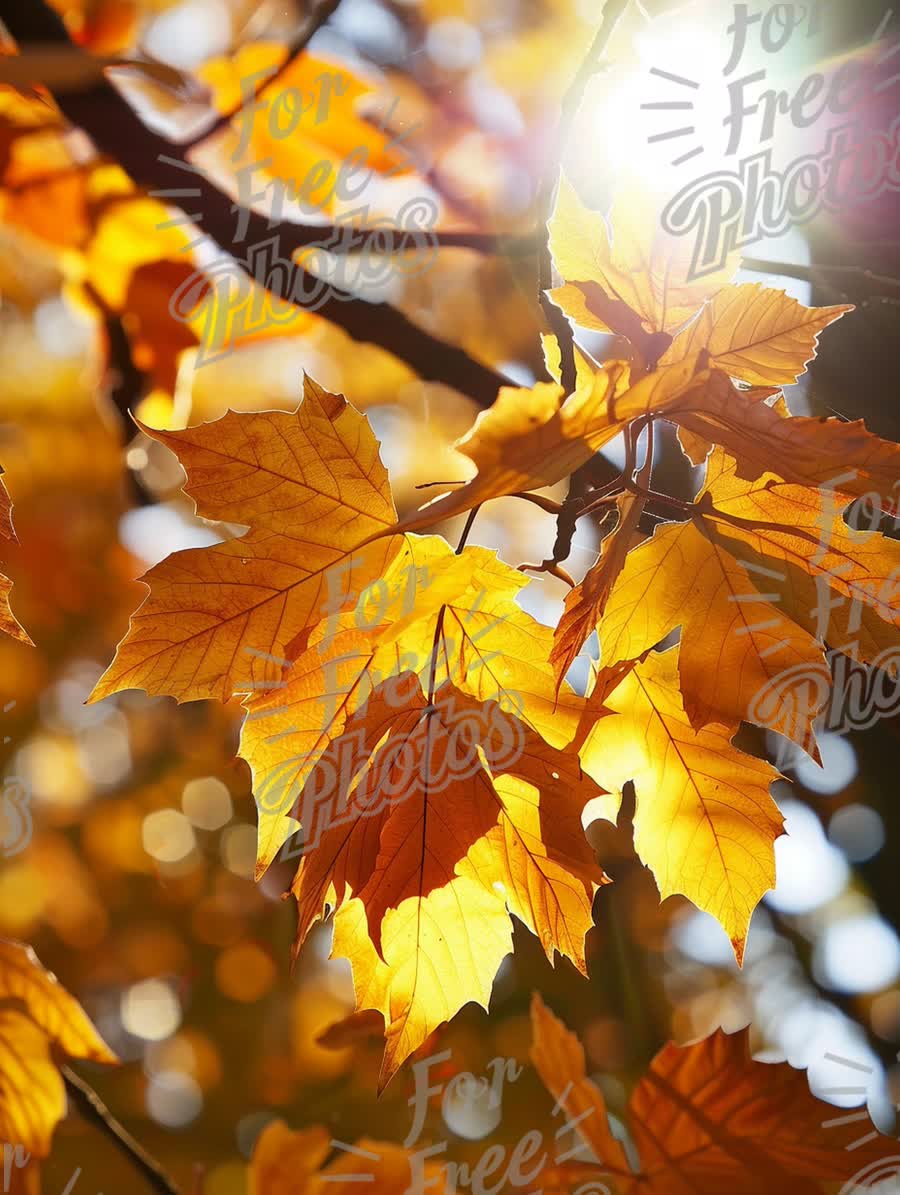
x,y
93,1109
547,504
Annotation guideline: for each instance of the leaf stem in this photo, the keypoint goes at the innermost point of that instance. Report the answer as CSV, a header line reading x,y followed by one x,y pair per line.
x,y
468,527
93,1109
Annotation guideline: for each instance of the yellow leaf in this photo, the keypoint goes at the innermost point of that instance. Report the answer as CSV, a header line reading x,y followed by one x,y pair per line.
x,y
843,586
759,335
303,128
433,611
37,1015
704,822
639,268
734,644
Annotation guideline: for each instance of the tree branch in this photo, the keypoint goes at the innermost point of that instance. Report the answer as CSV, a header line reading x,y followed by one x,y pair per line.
x,y
93,1109
148,158
841,278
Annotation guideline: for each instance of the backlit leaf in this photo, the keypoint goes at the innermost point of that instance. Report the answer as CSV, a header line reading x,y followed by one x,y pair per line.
x,y
704,822
708,1118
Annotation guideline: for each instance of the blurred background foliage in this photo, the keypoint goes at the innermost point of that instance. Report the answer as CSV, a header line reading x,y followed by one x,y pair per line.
x,y
136,888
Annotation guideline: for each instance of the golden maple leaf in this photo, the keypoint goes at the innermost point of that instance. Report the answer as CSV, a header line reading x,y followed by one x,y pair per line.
x,y
734,643
445,616
704,1119
839,584
759,335
704,822
636,282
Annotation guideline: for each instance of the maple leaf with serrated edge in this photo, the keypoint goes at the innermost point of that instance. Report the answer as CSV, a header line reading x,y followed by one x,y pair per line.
x,y
734,643
705,1118
756,334
840,585
221,620
704,821
635,282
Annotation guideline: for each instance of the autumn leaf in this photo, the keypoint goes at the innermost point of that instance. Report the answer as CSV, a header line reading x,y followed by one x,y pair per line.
x,y
311,487
764,438
293,1162
412,906
708,1118
9,624
307,127
734,644
704,822
840,585
756,334
38,1017
444,816
636,282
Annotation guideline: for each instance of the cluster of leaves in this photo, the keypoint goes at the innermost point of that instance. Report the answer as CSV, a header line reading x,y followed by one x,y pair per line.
x,y
703,1119
707,1113
360,647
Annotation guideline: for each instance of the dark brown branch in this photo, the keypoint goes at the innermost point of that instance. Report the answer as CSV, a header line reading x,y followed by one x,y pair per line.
x,y
865,282
150,159
92,1109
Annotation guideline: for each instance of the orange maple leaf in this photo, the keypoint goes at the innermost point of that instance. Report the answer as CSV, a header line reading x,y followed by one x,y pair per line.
x,y
704,1119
